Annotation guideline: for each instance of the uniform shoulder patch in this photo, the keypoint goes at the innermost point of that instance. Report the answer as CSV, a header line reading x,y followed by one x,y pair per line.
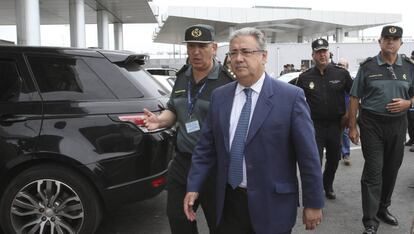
x,y
365,61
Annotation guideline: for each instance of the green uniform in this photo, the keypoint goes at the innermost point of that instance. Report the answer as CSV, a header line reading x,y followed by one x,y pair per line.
x,y
190,103
178,102
377,83
382,133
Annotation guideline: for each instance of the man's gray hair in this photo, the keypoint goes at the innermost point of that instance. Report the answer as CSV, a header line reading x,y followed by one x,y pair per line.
x,y
254,32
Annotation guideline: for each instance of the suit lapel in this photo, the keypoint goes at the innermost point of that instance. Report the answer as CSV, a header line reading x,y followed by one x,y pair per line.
x,y
262,109
226,105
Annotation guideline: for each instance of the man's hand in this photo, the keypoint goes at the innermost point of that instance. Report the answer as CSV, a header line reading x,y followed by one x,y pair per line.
x,y
398,105
354,135
189,200
151,120
312,217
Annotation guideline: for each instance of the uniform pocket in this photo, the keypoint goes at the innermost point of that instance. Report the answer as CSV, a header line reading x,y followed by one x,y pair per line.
x,y
335,84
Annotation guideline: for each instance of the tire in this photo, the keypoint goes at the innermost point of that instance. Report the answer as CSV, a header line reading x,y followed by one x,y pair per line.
x,y
49,199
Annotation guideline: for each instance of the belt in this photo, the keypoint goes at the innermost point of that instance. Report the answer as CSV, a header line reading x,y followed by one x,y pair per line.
x,y
237,189
383,118
240,189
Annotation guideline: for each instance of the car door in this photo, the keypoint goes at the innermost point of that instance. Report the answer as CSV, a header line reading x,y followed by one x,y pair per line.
x,y
20,112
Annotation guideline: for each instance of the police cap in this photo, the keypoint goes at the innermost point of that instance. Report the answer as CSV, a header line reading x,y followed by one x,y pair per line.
x,y
391,31
199,33
320,44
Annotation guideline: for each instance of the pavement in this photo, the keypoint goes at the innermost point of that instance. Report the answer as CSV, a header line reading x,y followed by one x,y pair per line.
x,y
342,216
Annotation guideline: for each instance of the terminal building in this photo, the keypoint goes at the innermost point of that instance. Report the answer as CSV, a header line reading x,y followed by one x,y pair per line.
x,y
280,24
289,30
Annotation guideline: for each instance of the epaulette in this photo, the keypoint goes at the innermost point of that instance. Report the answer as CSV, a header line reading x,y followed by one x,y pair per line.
x,y
228,72
182,69
337,66
365,61
408,59
306,71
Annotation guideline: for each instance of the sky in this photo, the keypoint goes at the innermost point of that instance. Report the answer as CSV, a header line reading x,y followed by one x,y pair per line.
x,y
138,37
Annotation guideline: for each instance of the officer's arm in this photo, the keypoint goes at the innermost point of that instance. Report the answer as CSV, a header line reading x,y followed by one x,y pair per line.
x,y
411,102
353,109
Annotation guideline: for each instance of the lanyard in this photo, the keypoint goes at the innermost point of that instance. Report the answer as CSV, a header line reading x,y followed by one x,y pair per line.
x,y
191,101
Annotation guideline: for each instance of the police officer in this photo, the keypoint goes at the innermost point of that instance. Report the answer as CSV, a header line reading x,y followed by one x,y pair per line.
x,y
410,118
325,86
227,66
188,106
384,85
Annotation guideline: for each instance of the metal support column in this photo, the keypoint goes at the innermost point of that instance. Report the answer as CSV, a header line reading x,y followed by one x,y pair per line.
x,y
77,23
118,36
103,29
28,22
339,32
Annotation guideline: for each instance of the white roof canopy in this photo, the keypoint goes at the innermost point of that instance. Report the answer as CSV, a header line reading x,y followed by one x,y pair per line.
x,y
281,24
57,11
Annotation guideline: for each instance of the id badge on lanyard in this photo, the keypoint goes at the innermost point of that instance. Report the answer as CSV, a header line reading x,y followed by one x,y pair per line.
x,y
192,125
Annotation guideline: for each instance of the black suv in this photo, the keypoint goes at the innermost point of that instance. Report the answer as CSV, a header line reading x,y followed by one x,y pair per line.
x,y
71,137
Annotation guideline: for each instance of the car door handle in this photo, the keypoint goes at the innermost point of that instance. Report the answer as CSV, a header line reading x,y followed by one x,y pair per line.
x,y
12,118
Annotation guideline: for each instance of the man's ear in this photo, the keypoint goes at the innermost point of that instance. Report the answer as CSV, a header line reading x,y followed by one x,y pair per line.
x,y
264,57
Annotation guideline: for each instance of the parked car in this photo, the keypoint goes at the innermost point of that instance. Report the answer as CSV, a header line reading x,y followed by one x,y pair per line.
x,y
164,75
289,77
72,141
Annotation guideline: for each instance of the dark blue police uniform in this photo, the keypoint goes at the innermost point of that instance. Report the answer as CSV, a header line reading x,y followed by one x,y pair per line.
x,y
325,94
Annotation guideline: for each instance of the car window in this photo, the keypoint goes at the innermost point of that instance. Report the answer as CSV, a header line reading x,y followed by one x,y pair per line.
x,y
142,80
62,78
159,72
10,82
162,72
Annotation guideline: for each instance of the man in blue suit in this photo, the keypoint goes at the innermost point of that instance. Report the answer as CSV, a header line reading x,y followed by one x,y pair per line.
x,y
257,131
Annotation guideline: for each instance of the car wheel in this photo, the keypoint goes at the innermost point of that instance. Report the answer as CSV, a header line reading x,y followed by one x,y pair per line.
x,y
49,199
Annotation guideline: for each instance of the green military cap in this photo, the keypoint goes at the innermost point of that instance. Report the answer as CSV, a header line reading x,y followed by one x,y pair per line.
x,y
199,33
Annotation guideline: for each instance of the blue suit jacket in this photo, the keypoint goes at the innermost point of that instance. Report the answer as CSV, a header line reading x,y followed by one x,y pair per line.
x,y
281,136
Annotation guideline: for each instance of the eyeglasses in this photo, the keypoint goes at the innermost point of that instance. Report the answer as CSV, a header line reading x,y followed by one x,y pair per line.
x,y
243,52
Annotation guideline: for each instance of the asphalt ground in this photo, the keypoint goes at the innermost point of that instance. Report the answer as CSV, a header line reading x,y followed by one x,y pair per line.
x,y
342,216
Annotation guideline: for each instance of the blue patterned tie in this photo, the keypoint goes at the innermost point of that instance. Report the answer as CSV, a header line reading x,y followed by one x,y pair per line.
x,y
239,139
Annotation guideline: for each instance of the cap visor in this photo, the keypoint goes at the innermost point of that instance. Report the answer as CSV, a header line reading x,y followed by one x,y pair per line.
x,y
203,42
321,48
391,36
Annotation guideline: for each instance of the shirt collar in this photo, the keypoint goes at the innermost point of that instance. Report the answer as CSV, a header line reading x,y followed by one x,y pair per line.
x,y
380,61
256,87
213,75
317,71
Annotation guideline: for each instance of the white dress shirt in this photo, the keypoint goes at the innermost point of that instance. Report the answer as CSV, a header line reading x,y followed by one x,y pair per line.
x,y
238,103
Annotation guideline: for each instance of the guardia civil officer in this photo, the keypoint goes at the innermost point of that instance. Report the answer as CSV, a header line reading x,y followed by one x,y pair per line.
x,y
384,86
325,86
188,106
